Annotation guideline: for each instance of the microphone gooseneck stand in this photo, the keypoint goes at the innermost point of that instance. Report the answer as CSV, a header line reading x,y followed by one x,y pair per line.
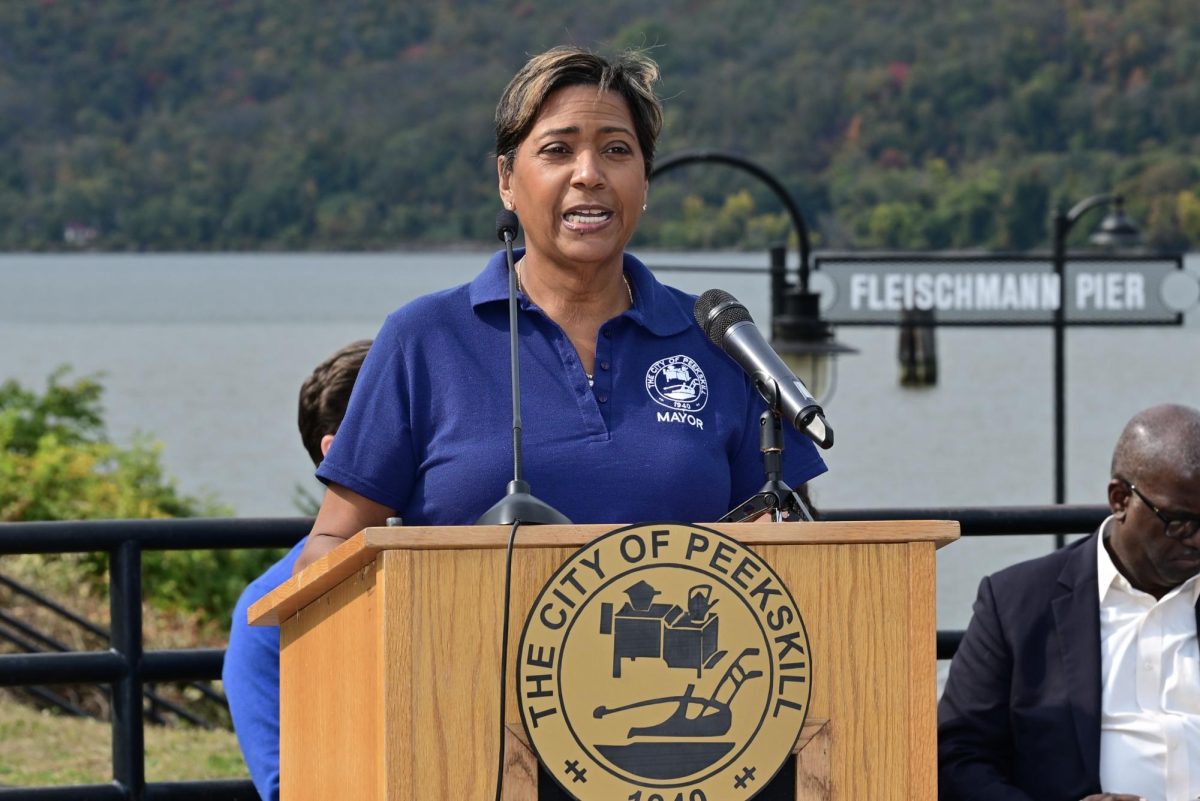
x,y
518,504
776,497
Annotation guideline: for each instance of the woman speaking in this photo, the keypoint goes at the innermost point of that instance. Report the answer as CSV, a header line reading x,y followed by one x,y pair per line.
x,y
629,412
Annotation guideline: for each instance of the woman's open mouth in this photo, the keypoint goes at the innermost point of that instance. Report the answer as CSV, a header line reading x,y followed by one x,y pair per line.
x,y
586,220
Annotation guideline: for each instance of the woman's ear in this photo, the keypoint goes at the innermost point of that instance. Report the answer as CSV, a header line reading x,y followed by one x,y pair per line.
x,y
504,179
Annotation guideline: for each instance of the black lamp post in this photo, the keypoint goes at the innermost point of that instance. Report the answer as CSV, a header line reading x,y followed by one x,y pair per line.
x,y
804,341
798,334
1116,230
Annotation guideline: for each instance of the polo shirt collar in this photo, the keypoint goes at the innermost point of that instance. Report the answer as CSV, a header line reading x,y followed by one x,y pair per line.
x,y
655,308
492,284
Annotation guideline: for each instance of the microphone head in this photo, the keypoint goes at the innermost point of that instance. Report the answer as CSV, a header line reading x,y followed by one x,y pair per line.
x,y
716,312
506,225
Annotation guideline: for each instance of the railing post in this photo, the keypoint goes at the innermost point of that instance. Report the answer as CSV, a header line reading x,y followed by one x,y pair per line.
x,y
125,605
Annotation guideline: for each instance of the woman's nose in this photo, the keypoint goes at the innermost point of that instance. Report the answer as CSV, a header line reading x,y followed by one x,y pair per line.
x,y
589,169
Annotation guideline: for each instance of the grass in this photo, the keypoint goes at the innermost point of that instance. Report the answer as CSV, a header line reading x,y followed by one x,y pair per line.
x,y
46,749
39,748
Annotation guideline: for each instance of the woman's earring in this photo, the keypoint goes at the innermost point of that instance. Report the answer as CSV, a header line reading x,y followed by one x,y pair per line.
x,y
644,206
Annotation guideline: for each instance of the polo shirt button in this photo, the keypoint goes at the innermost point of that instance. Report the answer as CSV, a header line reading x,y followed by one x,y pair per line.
x,y
607,333
602,398
603,365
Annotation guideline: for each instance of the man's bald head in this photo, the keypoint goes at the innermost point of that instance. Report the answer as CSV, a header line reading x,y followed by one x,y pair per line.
x,y
1166,435
1155,480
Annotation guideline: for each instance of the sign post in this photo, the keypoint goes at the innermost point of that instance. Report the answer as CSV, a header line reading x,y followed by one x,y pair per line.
x,y
988,290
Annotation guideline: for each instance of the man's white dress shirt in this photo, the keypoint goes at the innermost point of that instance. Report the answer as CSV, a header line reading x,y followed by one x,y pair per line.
x,y
1150,687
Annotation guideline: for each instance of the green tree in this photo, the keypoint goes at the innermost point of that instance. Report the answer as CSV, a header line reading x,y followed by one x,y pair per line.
x,y
310,125
57,463
1188,210
1025,212
895,225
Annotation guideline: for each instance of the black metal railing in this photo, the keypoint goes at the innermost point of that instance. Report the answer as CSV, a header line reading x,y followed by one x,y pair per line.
x,y
126,667
30,639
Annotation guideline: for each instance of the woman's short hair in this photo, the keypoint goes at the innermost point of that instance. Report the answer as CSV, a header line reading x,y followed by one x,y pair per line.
x,y
631,75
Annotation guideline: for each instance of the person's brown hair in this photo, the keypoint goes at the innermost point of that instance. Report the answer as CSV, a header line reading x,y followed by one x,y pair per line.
x,y
632,75
325,394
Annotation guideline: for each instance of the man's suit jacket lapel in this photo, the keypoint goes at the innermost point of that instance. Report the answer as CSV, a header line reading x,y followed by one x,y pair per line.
x,y
1077,621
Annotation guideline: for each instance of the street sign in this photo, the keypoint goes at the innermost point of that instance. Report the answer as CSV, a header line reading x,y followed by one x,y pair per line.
x,y
991,290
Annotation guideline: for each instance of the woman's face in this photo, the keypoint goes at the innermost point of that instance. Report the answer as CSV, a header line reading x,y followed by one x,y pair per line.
x,y
578,181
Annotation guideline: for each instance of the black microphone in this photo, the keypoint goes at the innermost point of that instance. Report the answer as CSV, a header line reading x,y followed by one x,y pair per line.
x,y
517,503
506,228
726,322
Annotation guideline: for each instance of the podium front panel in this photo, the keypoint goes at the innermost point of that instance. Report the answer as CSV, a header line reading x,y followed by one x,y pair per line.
x,y
391,678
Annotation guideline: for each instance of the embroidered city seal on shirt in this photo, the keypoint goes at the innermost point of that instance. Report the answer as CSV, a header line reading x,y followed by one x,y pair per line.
x,y
677,383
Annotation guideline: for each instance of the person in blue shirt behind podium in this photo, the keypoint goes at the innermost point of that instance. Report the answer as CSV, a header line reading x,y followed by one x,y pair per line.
x,y
629,413
250,671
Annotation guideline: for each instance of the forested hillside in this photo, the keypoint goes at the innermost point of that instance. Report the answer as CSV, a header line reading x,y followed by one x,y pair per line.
x,y
334,124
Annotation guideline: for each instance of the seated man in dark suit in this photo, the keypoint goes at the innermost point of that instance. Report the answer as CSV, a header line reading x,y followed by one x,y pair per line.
x,y
1079,675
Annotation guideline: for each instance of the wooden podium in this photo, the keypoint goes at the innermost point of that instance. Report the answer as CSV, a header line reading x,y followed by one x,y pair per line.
x,y
390,646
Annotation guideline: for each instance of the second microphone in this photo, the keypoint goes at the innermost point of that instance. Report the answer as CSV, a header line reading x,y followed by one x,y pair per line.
x,y
728,324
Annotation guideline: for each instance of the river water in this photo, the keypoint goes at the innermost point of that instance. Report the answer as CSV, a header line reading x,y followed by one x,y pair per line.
x,y
206,352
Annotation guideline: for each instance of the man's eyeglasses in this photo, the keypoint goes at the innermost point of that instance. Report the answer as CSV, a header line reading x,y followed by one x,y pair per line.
x,y
1178,526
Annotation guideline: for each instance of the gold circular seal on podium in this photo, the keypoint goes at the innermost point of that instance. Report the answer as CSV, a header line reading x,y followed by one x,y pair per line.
x,y
664,662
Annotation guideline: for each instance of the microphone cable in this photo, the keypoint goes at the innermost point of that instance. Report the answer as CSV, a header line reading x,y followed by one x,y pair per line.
x,y
508,553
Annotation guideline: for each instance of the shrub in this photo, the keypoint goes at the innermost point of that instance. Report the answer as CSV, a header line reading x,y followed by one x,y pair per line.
x,y
57,463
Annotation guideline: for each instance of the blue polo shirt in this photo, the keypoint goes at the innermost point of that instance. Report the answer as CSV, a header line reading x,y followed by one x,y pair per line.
x,y
668,431
250,679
